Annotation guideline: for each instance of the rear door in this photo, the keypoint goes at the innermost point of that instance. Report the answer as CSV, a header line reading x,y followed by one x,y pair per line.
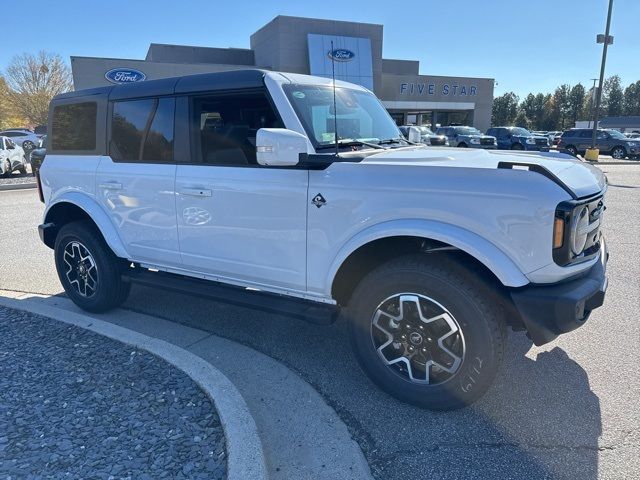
x,y
238,221
135,181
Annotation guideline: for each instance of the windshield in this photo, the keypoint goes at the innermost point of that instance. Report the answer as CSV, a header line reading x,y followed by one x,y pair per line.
x,y
425,131
616,134
468,131
523,132
360,115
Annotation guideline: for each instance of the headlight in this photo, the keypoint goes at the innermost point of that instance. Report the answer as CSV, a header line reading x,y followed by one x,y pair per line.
x,y
475,141
632,144
531,141
579,230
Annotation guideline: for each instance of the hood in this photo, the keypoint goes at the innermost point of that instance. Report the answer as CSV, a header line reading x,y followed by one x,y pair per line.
x,y
581,178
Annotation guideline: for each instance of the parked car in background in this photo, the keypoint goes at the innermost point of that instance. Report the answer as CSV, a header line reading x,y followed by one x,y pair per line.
x,y
12,157
553,137
25,138
464,137
517,138
633,135
426,135
609,142
36,157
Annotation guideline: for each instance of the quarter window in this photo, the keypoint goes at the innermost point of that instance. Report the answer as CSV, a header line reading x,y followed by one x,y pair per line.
x,y
142,130
74,127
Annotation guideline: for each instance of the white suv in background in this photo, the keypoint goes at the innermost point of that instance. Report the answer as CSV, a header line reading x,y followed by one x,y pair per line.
x,y
295,194
12,157
25,138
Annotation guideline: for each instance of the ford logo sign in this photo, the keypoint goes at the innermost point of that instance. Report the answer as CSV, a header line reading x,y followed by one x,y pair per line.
x,y
341,55
124,75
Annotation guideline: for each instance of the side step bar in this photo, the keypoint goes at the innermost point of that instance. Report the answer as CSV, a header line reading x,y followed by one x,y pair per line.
x,y
308,310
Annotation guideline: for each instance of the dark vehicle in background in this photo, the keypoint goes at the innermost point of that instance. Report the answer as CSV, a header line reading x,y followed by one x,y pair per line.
x,y
426,135
37,156
517,138
609,142
467,137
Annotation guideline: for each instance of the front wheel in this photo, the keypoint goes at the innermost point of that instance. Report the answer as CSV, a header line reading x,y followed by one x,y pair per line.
x,y
571,150
618,153
517,146
88,270
423,332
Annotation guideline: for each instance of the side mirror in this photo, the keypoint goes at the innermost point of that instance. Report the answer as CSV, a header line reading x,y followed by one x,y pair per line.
x,y
414,135
279,146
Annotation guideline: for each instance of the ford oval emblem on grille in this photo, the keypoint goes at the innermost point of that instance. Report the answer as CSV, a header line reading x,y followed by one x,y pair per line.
x,y
124,75
341,55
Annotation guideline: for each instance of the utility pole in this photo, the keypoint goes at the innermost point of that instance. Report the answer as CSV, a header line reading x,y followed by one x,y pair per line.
x,y
593,99
606,39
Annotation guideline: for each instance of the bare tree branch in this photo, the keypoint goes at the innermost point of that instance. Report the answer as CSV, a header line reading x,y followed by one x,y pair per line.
x,y
33,80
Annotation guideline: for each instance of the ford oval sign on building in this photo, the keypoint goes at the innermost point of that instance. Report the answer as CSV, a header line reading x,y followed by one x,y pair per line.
x,y
341,55
124,75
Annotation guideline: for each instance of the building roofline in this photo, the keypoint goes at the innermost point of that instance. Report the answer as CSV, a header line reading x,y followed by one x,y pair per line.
x,y
277,17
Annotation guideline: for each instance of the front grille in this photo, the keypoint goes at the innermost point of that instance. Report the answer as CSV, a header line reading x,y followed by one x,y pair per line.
x,y
542,141
486,141
437,141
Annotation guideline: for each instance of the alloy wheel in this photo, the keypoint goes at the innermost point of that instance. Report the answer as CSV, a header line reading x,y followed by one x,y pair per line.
x,y
618,153
418,338
81,270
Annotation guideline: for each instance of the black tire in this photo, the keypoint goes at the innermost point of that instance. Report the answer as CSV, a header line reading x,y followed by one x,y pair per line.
x,y
462,145
22,169
458,292
571,150
110,291
28,145
618,153
517,146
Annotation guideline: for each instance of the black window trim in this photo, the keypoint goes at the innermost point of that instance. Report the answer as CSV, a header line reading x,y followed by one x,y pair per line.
x,y
156,101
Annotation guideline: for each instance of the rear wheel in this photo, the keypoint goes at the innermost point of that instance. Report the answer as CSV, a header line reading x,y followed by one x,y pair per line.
x,y
28,145
6,168
88,270
571,150
462,145
424,332
618,153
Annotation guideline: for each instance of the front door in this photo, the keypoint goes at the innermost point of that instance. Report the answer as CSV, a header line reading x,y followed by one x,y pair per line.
x,y
238,221
135,184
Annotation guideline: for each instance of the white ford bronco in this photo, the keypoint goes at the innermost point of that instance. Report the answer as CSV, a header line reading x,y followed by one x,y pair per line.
x,y
296,195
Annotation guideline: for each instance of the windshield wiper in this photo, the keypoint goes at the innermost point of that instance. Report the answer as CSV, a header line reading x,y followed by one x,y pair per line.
x,y
349,143
396,140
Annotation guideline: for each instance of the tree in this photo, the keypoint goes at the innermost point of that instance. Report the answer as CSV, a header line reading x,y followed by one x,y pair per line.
x,y
613,96
576,102
631,102
521,119
8,115
504,109
533,107
551,114
561,105
33,81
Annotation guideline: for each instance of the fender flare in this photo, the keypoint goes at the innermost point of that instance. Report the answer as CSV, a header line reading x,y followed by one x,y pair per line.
x,y
471,243
99,217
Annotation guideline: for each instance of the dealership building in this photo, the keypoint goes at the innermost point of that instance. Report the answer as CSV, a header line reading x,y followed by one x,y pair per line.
x,y
308,45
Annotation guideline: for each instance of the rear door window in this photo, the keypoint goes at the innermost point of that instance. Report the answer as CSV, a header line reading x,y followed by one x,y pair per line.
x,y
142,130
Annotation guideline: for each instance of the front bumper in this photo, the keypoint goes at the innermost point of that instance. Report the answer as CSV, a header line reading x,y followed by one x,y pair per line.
x,y
550,310
486,147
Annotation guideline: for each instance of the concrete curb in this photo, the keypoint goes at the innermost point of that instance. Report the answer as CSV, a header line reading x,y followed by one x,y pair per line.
x,y
245,457
17,186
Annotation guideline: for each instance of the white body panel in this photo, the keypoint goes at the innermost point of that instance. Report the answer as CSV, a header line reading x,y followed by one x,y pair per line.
x,y
12,152
140,201
258,226
244,224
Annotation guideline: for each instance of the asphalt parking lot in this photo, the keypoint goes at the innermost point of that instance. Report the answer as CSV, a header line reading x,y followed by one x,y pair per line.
x,y
569,409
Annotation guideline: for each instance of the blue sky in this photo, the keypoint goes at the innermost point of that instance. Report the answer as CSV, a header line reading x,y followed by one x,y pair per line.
x,y
525,45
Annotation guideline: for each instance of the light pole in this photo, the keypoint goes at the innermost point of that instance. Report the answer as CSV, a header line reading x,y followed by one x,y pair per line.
x,y
606,39
593,99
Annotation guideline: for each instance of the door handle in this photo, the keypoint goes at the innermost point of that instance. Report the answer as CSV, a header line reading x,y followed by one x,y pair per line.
x,y
111,186
196,192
